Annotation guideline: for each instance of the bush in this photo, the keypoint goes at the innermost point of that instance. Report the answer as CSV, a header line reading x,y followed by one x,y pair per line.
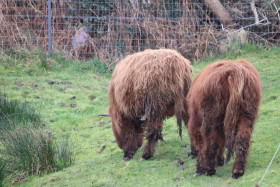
x,y
63,155
2,171
94,64
29,151
14,114
24,149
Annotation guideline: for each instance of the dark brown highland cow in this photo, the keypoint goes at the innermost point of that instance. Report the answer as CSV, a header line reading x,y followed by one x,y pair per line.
x,y
223,104
146,87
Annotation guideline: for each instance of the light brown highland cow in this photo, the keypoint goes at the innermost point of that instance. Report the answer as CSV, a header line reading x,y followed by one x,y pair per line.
x,y
223,104
146,87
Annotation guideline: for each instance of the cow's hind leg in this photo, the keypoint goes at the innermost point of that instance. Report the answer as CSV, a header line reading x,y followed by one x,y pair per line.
x,y
241,146
220,155
221,140
195,136
153,134
207,160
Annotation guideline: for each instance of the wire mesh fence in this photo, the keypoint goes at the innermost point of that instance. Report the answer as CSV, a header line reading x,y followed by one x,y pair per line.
x,y
110,29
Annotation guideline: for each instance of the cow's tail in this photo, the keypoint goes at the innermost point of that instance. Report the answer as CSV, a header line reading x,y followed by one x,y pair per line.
x,y
181,113
236,85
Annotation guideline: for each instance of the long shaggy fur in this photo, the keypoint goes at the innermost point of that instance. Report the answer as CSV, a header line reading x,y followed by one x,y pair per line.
x,y
145,88
223,105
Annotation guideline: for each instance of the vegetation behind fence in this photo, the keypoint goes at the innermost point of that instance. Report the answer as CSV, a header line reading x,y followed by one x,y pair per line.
x,y
111,29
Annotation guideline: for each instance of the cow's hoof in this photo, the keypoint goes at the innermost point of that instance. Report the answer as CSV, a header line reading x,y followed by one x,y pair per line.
x,y
196,174
128,155
220,161
126,158
237,174
211,172
145,157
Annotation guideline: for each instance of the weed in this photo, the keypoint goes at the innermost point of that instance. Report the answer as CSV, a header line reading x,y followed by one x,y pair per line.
x,y
29,151
25,148
2,171
94,64
64,154
16,114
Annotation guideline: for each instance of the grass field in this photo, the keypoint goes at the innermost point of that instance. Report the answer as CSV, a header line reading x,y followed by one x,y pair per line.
x,y
69,95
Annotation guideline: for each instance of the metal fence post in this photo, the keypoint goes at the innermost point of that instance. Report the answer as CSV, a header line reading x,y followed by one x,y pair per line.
x,y
49,27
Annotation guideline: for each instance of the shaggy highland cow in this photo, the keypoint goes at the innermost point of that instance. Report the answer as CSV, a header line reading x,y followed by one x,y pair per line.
x,y
223,104
146,87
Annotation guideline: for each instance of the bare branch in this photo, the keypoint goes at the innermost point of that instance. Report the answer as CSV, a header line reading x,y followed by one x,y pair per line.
x,y
219,10
253,8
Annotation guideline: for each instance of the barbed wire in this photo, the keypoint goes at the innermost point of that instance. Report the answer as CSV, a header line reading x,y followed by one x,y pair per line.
x,y
268,166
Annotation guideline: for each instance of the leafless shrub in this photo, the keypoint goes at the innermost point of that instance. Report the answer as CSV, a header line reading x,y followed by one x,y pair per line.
x,y
117,28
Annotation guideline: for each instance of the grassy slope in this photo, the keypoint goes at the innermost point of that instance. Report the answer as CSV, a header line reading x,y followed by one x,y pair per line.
x,y
90,133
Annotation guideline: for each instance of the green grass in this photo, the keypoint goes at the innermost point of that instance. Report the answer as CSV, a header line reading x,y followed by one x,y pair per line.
x,y
26,148
29,151
14,114
69,96
2,171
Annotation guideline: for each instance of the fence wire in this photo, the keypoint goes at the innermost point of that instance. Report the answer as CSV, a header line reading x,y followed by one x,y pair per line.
x,y
111,29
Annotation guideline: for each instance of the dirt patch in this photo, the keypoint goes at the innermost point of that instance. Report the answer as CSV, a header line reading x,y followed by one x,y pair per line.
x,y
92,97
63,88
73,98
61,104
181,164
178,179
36,86
102,149
50,82
273,97
73,105
20,84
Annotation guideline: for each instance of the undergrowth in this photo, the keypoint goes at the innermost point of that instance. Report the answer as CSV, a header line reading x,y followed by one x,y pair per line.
x,y
25,147
2,171
36,61
13,113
